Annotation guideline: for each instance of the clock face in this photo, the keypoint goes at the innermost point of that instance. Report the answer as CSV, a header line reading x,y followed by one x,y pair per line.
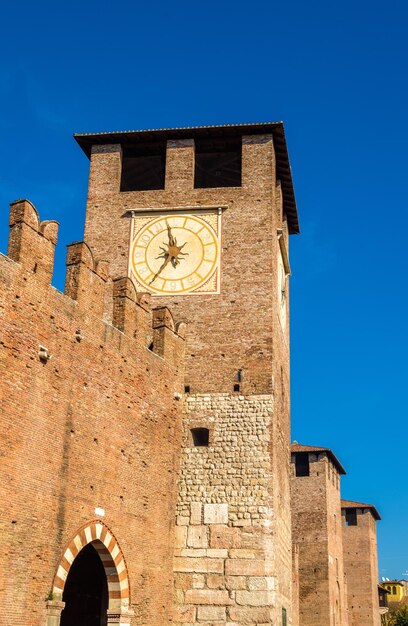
x,y
176,254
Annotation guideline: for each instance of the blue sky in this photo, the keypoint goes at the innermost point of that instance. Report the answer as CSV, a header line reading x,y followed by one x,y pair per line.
x,y
335,73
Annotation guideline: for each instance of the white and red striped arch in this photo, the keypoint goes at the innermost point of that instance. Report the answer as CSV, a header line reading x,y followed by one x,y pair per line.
x,y
104,542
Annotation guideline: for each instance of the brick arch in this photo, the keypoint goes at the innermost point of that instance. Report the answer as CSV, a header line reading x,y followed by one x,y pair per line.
x,y
105,543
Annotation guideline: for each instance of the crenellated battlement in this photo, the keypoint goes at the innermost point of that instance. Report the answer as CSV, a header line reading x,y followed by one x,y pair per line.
x,y
88,284
90,387
32,242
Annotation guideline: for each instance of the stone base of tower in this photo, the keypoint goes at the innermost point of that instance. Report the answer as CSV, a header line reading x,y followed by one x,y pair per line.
x,y
231,564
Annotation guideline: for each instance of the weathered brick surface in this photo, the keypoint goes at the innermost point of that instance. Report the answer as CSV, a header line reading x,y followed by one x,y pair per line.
x,y
81,429
238,328
295,584
317,531
361,567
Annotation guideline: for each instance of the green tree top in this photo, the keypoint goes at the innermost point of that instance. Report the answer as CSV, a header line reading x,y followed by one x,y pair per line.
x,y
401,616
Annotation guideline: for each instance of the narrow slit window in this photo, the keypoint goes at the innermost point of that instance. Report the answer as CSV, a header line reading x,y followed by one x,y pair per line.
x,y
302,464
200,437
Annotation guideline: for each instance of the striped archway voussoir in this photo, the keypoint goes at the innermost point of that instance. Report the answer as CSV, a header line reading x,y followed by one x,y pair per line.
x,y
106,545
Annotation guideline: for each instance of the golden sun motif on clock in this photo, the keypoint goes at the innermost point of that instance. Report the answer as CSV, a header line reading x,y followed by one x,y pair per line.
x,y
175,254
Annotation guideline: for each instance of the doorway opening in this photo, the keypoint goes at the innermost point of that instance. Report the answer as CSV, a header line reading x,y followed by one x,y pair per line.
x,y
86,593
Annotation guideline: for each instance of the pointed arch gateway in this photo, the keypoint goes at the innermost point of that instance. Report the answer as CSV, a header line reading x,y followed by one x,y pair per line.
x,y
98,535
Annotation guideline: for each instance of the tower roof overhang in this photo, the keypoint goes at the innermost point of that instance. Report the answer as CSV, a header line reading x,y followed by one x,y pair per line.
x,y
297,448
276,129
350,504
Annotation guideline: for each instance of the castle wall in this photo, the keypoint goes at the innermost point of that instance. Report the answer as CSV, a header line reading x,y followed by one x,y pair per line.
x,y
97,441
89,419
361,567
316,529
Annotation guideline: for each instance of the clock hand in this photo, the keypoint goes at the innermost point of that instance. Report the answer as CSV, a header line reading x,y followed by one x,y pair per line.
x,y
166,262
172,240
171,255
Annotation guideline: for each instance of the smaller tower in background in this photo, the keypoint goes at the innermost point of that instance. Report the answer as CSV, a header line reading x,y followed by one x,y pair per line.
x,y
316,529
360,562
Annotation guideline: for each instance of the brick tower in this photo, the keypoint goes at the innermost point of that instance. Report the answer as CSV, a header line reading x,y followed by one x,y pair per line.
x,y
360,562
200,218
317,531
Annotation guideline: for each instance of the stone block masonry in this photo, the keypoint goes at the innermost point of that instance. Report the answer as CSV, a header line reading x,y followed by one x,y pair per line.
x,y
227,549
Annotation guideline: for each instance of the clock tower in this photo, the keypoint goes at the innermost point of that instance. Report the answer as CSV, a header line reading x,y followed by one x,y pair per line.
x,y
200,218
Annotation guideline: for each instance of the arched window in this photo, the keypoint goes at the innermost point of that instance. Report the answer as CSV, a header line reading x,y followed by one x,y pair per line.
x,y
394,590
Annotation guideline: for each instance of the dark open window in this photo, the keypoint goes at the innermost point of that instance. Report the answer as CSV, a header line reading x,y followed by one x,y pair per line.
x,y
382,597
351,517
302,464
200,436
143,167
218,162
284,618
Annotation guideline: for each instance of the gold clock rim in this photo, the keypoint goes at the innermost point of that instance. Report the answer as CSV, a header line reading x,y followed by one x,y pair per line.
x,y
185,290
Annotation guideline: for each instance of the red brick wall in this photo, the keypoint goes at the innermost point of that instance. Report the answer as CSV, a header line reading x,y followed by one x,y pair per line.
x,y
316,528
361,567
95,425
